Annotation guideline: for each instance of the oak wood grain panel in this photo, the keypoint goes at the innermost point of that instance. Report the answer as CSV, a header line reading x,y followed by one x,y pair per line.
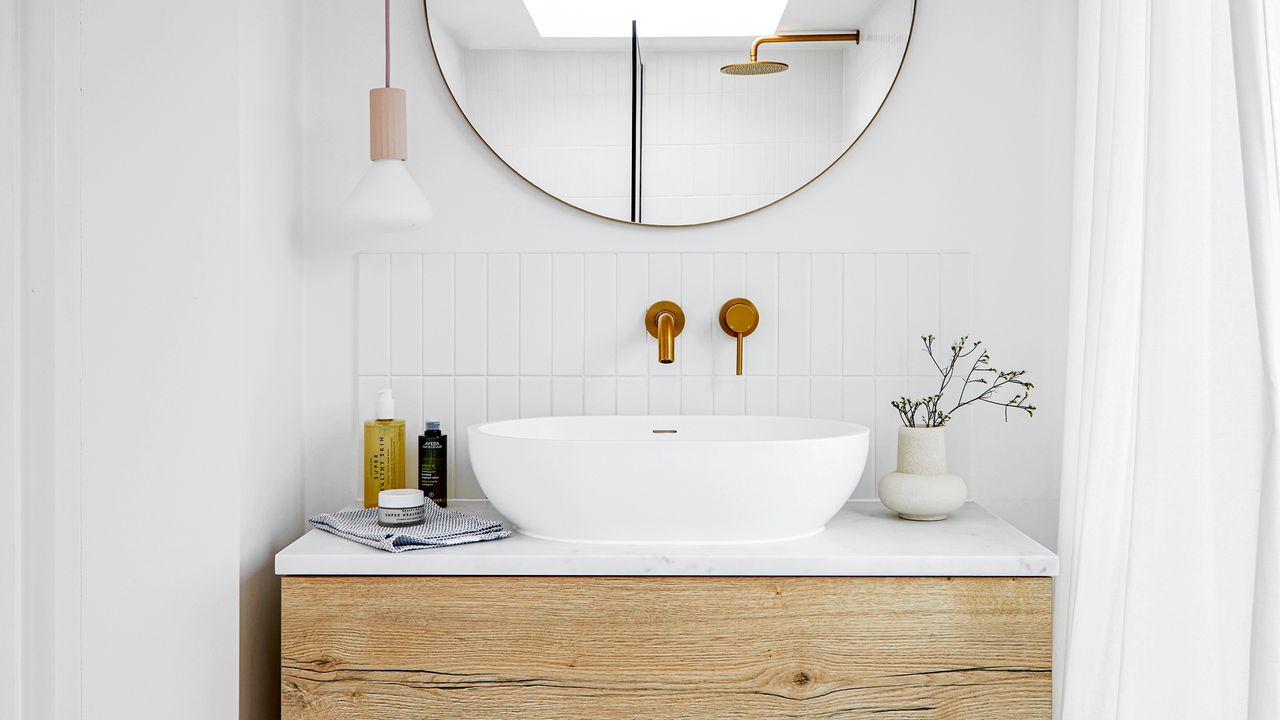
x,y
600,648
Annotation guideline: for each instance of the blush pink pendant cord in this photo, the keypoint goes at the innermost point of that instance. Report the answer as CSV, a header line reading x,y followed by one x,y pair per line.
x,y
386,21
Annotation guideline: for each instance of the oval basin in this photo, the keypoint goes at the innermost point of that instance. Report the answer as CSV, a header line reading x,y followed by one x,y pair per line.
x,y
668,479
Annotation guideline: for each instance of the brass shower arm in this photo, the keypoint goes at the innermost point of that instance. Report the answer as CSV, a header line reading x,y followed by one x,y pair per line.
x,y
854,37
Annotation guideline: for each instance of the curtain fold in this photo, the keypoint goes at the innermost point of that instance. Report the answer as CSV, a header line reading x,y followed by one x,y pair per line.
x,y
1167,500
1255,30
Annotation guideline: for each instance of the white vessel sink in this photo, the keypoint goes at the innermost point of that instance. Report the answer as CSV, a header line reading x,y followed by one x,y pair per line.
x,y
668,479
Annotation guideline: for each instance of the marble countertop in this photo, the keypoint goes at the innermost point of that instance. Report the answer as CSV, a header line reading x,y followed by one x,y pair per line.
x,y
863,539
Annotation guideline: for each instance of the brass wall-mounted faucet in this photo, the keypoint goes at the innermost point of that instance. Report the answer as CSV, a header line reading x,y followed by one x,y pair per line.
x,y
739,318
665,320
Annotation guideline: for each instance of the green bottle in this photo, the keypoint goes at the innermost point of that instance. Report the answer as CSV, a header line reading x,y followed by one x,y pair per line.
x,y
433,464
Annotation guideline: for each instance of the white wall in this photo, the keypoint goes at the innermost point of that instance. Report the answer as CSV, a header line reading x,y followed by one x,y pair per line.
x,y
10,352
160,354
971,154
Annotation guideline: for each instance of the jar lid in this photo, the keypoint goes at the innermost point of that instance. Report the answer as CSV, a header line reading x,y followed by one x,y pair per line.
x,y
400,498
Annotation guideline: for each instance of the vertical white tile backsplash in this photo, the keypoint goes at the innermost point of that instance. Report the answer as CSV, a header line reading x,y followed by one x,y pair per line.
x,y
535,396
922,311
566,396
567,314
470,408
696,395
633,297
761,351
437,314
859,323
467,338
664,396
408,395
535,314
406,314
827,315
599,395
891,315
794,313
503,318
470,316
373,314
600,324
696,298
633,395
503,399
860,407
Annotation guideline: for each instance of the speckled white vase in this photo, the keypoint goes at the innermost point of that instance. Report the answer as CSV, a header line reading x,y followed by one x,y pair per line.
x,y
922,489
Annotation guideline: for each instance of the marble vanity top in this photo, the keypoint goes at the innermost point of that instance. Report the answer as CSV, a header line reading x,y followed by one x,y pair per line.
x,y
863,539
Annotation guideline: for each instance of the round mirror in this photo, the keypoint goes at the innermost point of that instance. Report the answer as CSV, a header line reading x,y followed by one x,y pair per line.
x,y
670,112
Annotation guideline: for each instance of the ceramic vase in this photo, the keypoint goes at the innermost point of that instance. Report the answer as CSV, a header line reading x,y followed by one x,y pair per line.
x,y
922,489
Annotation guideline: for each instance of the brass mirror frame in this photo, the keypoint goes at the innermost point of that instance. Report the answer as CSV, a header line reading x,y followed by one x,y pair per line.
x,y
426,20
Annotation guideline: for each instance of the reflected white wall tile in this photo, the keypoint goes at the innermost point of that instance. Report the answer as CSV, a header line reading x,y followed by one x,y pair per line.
x,y
859,407
406,314
859,321
567,313
437,314
891,315
794,396
826,397
503,398
762,290
700,314
470,408
633,395
794,318
762,394
633,296
827,311
600,396
696,396
535,314
503,321
566,396
664,396
470,316
373,315
730,281
730,395
535,396
664,284
601,314
922,310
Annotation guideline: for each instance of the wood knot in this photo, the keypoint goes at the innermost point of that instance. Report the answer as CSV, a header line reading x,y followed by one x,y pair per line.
x,y
802,678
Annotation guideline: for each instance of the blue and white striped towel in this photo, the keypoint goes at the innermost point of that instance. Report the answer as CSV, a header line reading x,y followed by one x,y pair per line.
x,y
441,529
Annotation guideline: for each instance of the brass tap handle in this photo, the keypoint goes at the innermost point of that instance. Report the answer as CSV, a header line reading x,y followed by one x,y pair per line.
x,y
665,320
739,318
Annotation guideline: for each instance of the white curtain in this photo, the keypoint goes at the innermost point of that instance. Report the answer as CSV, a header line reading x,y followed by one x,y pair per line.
x,y
1166,606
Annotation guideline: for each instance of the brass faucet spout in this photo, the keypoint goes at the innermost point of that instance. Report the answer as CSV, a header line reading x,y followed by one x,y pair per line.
x,y
665,320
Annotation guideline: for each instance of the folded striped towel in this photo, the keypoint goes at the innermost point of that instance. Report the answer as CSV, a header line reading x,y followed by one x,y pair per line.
x,y
441,529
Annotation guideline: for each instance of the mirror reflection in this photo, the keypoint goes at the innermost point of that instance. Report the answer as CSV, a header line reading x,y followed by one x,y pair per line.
x,y
670,113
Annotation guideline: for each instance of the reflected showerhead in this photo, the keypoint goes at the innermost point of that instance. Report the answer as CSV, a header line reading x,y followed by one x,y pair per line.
x,y
760,67
768,67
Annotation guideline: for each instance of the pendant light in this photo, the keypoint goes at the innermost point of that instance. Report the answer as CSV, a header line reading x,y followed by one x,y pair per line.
x,y
387,199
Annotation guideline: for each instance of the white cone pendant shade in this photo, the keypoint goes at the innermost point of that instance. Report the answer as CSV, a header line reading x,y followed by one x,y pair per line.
x,y
387,199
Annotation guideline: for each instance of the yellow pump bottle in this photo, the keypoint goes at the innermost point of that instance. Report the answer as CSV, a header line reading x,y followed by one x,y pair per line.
x,y
383,450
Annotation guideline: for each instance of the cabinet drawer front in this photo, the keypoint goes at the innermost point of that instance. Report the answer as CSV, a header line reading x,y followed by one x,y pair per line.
x,y
598,648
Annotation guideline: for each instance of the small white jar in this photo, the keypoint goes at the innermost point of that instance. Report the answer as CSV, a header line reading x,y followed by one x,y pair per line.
x,y
401,508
